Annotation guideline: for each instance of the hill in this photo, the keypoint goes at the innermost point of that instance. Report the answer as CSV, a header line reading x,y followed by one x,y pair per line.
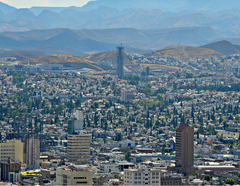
x,y
106,56
80,62
224,47
66,60
185,53
8,53
50,50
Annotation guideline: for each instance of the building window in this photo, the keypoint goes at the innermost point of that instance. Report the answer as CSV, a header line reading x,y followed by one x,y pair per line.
x,y
80,178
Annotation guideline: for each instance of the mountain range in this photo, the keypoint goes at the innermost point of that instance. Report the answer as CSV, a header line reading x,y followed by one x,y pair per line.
x,y
140,14
88,41
142,26
166,6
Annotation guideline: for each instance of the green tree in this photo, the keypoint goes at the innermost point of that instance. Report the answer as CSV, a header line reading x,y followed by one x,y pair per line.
x,y
207,177
220,181
195,174
230,181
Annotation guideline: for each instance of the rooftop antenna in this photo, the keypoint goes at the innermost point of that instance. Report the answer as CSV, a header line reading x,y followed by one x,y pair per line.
x,y
121,44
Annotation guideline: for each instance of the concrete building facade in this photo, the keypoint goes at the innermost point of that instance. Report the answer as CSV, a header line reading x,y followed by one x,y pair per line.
x,y
126,95
74,175
78,122
185,148
78,149
142,176
12,149
120,62
32,152
75,125
108,167
10,171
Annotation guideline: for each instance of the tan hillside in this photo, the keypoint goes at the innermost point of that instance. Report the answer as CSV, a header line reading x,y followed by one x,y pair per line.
x,y
156,66
63,59
86,61
185,53
106,56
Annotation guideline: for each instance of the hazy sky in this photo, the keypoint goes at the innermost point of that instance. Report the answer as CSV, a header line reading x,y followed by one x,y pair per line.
x,y
55,3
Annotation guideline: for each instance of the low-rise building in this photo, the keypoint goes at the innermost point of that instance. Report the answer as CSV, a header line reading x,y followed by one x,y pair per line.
x,y
74,175
142,176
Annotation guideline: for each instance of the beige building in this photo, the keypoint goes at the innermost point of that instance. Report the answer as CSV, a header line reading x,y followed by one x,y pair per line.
x,y
142,176
31,152
11,149
185,148
74,175
78,149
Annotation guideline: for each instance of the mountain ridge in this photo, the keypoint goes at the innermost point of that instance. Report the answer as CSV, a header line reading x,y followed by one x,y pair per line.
x,y
185,53
225,47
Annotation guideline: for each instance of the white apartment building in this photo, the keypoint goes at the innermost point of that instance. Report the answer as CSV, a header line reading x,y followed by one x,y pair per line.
x,y
78,149
235,67
126,95
78,122
106,167
142,176
105,63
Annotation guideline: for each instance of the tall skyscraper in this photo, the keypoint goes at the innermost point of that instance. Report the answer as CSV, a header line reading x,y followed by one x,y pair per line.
x,y
185,148
76,123
120,60
31,151
147,71
78,149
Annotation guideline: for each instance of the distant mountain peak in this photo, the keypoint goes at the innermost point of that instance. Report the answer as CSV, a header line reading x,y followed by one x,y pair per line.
x,y
225,47
7,8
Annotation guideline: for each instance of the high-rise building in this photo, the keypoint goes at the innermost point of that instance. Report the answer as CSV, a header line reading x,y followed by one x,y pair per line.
x,y
147,71
74,175
184,146
78,149
12,149
31,151
185,149
120,61
76,123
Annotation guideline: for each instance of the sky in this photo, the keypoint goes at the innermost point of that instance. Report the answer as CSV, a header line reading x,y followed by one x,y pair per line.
x,y
52,3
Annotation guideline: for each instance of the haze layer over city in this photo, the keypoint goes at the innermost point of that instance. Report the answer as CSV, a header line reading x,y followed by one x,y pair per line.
x,y
119,92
